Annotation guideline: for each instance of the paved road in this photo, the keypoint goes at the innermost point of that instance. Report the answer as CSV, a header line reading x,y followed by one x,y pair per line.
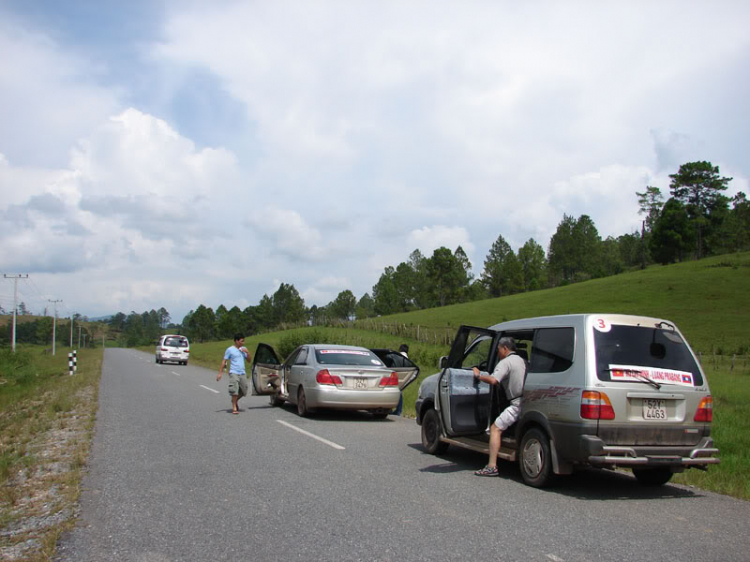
x,y
175,477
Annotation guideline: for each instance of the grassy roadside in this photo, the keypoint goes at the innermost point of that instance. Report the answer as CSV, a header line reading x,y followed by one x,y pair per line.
x,y
46,424
731,432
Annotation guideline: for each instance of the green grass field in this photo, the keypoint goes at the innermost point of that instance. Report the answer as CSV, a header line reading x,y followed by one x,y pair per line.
x,y
708,300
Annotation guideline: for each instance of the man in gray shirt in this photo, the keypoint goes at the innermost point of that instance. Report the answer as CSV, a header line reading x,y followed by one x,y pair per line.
x,y
510,372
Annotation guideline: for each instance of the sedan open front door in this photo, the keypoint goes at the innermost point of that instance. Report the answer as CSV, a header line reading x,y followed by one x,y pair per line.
x,y
266,377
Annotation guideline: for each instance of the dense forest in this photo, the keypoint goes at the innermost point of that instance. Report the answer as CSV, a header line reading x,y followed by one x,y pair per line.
x,y
695,221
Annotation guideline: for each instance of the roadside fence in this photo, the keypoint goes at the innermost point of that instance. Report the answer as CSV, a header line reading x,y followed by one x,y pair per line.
x,y
720,361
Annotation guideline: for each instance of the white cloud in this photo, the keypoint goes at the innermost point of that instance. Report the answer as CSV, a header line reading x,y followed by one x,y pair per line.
x,y
288,232
49,97
370,129
429,238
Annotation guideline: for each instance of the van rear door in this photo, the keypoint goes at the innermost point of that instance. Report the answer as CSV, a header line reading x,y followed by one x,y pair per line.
x,y
652,381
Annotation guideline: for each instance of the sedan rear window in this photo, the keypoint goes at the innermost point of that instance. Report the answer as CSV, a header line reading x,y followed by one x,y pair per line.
x,y
346,357
626,347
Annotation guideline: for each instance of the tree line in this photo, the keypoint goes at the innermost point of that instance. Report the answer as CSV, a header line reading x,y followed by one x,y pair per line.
x,y
39,331
697,220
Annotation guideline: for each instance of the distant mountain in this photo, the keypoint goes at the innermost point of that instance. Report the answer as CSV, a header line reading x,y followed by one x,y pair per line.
x,y
101,318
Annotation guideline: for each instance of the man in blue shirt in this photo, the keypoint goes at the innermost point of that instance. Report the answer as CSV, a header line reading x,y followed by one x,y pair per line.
x,y
236,355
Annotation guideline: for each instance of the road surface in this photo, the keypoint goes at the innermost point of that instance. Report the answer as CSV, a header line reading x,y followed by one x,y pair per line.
x,y
174,476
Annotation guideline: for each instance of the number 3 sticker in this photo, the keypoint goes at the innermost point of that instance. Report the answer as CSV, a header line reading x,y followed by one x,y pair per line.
x,y
602,325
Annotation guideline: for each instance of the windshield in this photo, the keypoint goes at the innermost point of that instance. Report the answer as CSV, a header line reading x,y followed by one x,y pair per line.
x,y
347,357
637,352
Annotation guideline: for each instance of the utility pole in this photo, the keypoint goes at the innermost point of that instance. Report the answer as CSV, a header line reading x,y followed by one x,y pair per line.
x,y
54,325
79,336
71,331
15,299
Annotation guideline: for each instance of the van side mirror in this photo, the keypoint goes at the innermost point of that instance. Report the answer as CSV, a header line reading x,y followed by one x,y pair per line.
x,y
443,362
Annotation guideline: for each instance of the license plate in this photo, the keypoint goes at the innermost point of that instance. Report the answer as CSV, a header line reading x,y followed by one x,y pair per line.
x,y
654,409
359,382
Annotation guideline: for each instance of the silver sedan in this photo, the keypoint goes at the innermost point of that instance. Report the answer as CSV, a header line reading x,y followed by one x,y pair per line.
x,y
332,376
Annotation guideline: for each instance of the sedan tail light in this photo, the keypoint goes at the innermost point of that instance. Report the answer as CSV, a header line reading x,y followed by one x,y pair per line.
x,y
596,406
391,380
325,377
164,349
705,411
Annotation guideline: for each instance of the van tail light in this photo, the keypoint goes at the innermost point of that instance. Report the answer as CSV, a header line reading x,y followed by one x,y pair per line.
x,y
164,349
391,380
596,406
705,411
187,351
325,377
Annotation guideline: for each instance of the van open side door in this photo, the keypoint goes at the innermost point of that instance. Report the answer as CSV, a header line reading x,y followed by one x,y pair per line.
x,y
463,403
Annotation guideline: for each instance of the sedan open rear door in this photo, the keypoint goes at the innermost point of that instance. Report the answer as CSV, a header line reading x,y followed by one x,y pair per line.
x,y
404,367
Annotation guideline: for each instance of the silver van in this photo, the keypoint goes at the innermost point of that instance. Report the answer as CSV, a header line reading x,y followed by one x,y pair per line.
x,y
601,390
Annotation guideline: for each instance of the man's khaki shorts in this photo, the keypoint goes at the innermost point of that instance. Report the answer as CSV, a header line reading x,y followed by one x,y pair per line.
x,y
508,417
237,384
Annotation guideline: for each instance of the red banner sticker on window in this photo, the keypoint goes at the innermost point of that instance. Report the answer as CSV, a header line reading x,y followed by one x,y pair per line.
x,y
349,351
662,376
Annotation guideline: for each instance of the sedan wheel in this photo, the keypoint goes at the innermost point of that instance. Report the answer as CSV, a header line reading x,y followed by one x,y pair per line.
x,y
302,408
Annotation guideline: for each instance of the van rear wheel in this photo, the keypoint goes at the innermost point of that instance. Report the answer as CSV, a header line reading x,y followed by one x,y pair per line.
x,y
431,433
535,460
652,476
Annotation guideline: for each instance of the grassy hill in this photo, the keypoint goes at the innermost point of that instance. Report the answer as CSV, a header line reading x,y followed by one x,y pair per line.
x,y
708,299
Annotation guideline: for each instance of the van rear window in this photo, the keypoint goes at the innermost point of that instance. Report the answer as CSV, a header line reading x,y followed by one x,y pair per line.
x,y
642,346
176,342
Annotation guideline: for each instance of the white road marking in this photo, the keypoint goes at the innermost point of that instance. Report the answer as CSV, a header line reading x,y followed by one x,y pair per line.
x,y
555,558
178,374
303,432
211,389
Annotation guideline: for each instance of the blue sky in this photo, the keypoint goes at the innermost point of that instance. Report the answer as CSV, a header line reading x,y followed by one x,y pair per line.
x,y
183,153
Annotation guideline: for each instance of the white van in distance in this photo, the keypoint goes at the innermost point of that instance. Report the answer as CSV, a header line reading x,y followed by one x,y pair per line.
x,y
173,348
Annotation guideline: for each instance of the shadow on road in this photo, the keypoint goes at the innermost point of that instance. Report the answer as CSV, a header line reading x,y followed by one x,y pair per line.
x,y
340,415
583,484
244,408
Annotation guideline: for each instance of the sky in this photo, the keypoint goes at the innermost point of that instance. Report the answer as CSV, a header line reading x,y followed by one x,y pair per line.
x,y
177,153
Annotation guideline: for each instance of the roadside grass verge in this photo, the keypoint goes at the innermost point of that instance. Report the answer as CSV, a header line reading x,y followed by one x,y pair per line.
x,y
731,432
46,424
